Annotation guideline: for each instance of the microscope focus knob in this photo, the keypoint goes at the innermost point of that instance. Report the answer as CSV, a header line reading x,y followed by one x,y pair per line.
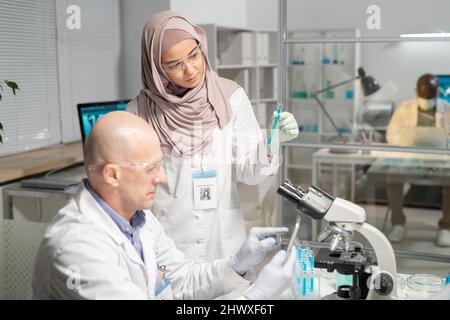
x,y
384,284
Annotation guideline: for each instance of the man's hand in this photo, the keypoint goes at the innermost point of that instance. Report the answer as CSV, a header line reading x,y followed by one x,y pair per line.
x,y
259,242
274,278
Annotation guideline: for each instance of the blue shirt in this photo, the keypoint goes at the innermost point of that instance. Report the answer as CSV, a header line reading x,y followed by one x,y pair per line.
x,y
129,229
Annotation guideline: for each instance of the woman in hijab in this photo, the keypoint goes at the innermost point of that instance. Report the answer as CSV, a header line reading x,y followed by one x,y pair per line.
x,y
209,136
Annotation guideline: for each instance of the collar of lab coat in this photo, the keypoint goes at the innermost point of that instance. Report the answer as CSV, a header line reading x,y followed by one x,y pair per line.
x,y
95,214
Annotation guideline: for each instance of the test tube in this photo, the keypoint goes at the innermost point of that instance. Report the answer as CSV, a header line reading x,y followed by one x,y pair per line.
x,y
293,236
274,126
311,269
304,268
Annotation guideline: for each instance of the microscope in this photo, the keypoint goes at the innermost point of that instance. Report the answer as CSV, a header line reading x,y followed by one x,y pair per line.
x,y
370,280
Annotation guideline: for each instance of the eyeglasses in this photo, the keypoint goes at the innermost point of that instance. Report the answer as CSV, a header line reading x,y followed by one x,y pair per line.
x,y
151,169
178,66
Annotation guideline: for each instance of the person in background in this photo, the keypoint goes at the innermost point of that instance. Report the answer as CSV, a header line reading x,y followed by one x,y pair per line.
x,y
106,243
209,136
423,121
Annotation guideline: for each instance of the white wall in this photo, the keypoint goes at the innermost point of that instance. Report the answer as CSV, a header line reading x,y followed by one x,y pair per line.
x,y
302,14
397,16
134,14
403,62
262,14
228,13
101,61
88,58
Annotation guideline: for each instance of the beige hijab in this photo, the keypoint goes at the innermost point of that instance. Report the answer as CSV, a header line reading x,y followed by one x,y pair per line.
x,y
184,124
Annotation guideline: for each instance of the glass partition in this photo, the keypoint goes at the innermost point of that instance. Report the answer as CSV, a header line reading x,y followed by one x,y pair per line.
x,y
374,19
407,189
365,93
349,72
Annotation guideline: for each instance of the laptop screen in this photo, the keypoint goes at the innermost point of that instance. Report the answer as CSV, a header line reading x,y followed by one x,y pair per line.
x,y
89,113
444,87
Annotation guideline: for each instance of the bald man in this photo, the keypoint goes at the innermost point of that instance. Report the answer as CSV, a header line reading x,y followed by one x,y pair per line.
x,y
106,243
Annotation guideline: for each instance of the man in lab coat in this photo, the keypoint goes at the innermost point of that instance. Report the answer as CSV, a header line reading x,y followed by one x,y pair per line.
x,y
423,121
106,244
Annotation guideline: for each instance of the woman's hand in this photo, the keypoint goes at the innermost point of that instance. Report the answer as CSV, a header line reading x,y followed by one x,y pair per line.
x,y
288,127
288,130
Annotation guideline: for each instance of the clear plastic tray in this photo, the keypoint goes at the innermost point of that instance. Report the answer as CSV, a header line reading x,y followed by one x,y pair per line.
x,y
306,285
421,286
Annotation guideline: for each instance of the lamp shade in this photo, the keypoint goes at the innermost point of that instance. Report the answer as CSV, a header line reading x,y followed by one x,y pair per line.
x,y
369,84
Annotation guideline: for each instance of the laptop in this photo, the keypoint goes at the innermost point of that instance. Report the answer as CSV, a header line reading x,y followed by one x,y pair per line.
x,y
44,183
89,113
430,137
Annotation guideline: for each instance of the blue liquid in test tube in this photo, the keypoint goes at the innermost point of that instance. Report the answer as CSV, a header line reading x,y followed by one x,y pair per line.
x,y
274,125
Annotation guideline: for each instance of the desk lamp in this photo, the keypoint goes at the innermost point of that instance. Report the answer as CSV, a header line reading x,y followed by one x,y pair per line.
x,y
369,86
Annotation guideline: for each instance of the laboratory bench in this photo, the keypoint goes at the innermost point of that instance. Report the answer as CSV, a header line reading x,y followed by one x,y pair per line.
x,y
327,286
19,166
406,166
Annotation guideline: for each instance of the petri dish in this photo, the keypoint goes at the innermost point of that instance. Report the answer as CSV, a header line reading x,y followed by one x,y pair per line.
x,y
421,286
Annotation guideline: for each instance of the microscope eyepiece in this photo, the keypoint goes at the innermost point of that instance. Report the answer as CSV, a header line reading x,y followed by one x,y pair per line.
x,y
314,203
291,192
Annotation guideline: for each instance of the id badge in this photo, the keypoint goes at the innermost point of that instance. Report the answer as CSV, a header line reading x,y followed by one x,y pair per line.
x,y
164,291
205,189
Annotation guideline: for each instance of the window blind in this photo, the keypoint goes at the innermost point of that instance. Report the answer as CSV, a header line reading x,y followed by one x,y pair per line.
x,y
31,119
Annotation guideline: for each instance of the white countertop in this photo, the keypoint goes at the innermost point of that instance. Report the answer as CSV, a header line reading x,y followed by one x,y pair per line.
x,y
327,286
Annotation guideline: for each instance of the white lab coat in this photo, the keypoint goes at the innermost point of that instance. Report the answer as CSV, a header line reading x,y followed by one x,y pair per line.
x,y
238,153
83,240
403,130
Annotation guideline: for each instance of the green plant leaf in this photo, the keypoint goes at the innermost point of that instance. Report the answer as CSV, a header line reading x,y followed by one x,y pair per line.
x,y
12,85
1,139
0,97
1,126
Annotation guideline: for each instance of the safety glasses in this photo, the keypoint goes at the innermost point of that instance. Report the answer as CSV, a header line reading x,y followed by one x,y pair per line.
x,y
177,66
149,168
